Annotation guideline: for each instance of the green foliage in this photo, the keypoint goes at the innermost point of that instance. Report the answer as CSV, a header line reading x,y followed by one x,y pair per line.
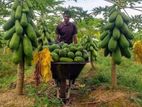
x,y
90,27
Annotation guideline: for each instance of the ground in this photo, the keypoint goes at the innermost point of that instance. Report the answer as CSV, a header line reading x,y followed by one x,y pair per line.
x,y
99,97
83,96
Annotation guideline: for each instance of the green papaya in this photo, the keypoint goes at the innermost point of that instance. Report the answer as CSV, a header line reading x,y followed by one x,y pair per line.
x,y
65,59
109,26
119,21
104,42
56,51
116,55
8,34
113,9
125,17
78,53
79,59
15,41
25,8
124,43
112,45
85,55
18,55
18,27
62,53
73,48
28,49
15,4
10,23
126,52
55,56
125,30
29,3
79,48
18,12
24,21
66,49
116,33
113,16
30,32
103,35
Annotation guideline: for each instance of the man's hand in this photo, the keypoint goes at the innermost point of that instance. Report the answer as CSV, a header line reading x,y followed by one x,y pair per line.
x,y
57,39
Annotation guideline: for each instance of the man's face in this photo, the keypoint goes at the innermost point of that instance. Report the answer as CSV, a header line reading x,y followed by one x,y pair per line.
x,y
66,18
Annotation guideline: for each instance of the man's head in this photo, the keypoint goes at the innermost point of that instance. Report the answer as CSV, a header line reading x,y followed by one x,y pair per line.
x,y
66,16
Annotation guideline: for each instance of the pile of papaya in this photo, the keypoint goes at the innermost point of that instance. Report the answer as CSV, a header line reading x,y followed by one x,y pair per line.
x,y
20,32
116,38
63,52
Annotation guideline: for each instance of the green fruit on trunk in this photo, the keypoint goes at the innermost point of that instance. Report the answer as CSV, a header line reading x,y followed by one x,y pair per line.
x,y
18,27
113,16
116,33
119,21
28,49
18,55
116,55
15,41
18,12
112,45
124,43
24,21
8,34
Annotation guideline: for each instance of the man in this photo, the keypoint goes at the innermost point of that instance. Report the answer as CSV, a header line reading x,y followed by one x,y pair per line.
x,y
66,31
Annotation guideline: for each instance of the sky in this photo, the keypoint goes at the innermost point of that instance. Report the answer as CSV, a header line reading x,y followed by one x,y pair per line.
x,y
90,4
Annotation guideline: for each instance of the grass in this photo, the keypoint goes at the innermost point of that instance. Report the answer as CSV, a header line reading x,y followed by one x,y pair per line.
x,y
42,97
129,73
8,70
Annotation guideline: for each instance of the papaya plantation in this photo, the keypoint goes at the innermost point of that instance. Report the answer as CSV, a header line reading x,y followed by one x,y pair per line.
x,y
70,53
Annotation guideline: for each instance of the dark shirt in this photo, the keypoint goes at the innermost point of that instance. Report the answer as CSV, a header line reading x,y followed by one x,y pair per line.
x,y
66,32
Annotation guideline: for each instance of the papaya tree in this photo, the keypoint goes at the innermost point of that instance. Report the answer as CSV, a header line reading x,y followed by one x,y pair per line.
x,y
116,39
21,37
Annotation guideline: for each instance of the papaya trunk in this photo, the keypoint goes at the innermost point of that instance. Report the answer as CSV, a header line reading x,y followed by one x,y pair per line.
x,y
20,78
113,75
92,63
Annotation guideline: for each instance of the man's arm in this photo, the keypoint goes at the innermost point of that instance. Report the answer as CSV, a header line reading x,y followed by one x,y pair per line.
x,y
75,39
57,34
57,37
75,34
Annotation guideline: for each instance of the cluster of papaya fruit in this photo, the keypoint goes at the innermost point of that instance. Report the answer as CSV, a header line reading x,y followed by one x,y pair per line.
x,y
45,37
63,52
117,37
19,31
91,45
